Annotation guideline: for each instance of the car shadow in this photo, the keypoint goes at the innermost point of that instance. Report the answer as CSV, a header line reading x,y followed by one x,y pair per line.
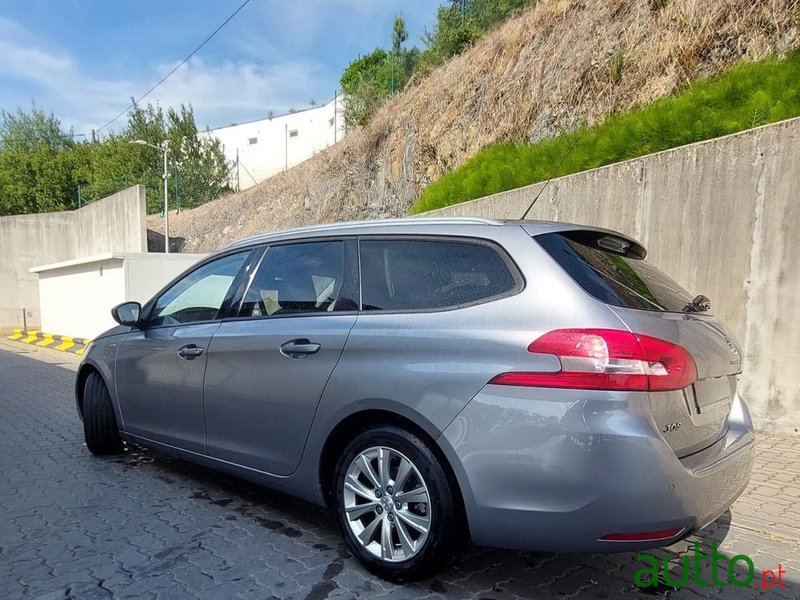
x,y
479,572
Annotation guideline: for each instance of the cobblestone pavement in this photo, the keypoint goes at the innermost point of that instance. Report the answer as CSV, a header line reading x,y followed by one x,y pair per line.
x,y
143,525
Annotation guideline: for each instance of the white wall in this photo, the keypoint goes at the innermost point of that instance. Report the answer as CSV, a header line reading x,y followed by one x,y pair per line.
x,y
76,299
275,147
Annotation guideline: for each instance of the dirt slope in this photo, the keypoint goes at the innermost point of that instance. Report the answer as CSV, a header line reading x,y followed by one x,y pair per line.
x,y
559,64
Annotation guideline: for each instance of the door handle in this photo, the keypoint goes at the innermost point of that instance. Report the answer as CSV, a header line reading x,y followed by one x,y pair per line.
x,y
190,352
299,348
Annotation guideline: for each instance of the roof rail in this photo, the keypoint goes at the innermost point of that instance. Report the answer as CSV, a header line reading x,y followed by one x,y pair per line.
x,y
370,223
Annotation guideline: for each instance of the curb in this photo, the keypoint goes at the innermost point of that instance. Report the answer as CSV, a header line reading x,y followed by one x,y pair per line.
x,y
62,343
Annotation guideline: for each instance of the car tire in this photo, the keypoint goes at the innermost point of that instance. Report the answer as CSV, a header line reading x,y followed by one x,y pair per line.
x,y
99,422
408,554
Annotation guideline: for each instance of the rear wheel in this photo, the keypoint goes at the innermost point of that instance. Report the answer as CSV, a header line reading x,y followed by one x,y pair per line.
x,y
395,505
99,422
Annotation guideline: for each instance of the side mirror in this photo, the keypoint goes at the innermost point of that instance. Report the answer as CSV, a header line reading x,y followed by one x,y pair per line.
x,y
127,313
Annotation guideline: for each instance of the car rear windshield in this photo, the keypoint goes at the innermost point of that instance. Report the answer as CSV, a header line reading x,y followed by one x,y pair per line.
x,y
604,267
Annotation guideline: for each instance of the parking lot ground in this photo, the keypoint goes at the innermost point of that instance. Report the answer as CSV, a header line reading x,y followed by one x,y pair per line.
x,y
144,525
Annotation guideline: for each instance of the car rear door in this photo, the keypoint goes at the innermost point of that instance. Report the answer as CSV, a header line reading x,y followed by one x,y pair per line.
x,y
268,366
648,302
160,365
433,327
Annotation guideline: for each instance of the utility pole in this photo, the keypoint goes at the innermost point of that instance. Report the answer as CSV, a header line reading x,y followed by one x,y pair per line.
x,y
335,110
286,145
238,182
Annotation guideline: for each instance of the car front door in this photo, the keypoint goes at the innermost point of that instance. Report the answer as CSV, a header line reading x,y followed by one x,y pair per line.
x,y
160,365
267,368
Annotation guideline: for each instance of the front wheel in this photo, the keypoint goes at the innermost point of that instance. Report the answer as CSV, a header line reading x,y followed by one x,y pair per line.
x,y
99,423
395,505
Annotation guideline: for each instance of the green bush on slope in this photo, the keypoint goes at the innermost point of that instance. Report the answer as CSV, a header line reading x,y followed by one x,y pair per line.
x,y
746,96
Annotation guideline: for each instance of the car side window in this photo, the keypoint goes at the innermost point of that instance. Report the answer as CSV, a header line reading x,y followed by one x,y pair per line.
x,y
417,274
198,296
298,278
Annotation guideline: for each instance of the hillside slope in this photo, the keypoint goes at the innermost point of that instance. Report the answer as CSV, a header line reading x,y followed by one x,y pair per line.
x,y
559,64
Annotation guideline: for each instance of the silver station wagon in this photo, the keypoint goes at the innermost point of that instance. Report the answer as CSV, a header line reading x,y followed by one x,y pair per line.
x,y
439,382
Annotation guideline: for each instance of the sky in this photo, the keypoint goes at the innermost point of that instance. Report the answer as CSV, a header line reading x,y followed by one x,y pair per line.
x,y
83,60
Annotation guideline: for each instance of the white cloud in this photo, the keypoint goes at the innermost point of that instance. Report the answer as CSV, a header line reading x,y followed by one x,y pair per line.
x,y
276,67
220,93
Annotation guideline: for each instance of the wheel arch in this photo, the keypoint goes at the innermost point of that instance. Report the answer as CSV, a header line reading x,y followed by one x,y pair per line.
x,y
87,368
351,425
80,383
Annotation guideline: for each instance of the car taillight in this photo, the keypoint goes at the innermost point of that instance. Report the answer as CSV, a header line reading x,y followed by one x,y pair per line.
x,y
608,359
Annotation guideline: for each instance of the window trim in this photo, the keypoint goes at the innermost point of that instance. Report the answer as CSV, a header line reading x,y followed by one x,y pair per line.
x,y
350,283
516,273
148,308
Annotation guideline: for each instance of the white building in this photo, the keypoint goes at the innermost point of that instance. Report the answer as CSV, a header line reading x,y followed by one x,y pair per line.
x,y
259,149
76,296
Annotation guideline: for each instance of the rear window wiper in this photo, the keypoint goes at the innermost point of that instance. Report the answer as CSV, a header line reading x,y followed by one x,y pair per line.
x,y
699,304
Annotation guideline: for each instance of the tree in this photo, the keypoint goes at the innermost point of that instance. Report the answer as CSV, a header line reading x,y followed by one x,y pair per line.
x,y
36,163
460,25
196,161
366,84
43,168
370,80
26,131
454,32
399,35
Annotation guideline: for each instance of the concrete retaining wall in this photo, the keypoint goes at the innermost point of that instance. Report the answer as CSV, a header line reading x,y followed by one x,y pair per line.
x,y
113,224
723,218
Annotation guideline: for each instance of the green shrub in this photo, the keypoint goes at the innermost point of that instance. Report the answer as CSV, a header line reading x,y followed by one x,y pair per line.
x,y
748,95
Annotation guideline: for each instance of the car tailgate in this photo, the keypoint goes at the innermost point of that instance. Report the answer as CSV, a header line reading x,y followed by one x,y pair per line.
x,y
695,417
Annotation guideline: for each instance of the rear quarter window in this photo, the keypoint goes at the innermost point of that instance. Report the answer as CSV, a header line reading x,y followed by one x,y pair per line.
x,y
611,277
417,274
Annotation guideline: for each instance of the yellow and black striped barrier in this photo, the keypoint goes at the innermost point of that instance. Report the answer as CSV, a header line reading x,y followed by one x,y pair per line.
x,y
63,343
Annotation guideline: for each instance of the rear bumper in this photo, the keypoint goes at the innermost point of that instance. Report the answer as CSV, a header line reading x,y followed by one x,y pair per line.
x,y
546,470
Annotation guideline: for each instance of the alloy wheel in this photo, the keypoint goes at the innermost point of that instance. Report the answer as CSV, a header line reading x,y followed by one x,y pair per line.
x,y
387,504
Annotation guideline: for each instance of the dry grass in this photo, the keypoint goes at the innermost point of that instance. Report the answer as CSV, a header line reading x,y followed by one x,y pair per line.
x,y
560,64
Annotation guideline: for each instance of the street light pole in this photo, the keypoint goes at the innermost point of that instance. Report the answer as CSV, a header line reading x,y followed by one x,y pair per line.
x,y
165,149
166,200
